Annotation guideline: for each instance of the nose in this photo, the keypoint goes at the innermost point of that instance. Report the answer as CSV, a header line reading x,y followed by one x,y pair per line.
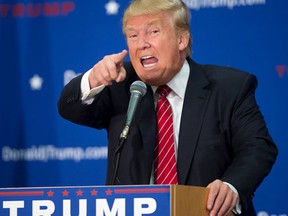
x,y
143,43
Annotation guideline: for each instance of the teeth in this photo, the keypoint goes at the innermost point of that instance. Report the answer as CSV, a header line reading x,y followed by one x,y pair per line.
x,y
149,65
146,57
146,64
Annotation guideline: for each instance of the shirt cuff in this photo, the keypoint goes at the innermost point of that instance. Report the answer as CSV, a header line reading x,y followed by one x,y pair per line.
x,y
238,208
88,94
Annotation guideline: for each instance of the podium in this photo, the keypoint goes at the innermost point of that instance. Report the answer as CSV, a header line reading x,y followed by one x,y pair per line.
x,y
138,200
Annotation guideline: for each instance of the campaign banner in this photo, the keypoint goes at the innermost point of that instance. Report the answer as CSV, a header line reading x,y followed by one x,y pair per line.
x,y
86,201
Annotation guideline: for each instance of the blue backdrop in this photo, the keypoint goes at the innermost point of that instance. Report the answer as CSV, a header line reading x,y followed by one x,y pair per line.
x,y
43,44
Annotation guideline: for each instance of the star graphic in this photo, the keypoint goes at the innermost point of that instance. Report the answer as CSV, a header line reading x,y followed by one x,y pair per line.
x,y
108,192
93,192
65,193
50,193
69,75
112,7
36,82
79,193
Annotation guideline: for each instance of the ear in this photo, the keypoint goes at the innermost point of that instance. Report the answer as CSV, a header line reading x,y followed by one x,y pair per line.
x,y
183,40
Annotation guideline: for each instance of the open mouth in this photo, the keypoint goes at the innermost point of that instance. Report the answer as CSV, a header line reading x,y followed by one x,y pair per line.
x,y
148,61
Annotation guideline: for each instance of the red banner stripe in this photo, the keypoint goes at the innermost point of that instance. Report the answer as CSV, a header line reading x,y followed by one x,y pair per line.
x,y
22,193
142,190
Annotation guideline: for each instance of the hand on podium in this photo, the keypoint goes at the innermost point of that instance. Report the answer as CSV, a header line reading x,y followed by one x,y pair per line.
x,y
221,199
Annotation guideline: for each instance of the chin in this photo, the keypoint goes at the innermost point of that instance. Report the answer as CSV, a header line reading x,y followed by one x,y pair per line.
x,y
150,77
151,81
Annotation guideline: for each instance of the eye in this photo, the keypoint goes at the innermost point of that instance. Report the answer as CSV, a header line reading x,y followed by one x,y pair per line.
x,y
154,32
132,36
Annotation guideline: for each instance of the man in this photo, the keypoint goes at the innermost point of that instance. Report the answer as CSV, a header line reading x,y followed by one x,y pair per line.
x,y
221,139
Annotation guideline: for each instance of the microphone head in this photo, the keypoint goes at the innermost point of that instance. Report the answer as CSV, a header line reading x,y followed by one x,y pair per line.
x,y
138,86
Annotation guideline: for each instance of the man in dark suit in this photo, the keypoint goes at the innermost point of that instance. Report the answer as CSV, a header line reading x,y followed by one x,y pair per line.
x,y
221,139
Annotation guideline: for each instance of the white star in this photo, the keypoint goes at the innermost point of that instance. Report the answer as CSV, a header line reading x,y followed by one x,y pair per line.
x,y
112,7
69,75
36,82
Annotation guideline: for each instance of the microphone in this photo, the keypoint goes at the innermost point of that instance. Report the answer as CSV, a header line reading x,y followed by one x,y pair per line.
x,y
137,89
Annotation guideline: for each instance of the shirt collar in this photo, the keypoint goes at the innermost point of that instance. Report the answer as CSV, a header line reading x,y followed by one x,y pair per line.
x,y
179,82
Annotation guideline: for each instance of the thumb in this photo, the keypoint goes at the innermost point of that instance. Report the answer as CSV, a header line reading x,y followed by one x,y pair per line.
x,y
214,189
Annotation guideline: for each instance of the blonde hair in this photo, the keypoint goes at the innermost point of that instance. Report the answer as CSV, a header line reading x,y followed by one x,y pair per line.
x,y
177,8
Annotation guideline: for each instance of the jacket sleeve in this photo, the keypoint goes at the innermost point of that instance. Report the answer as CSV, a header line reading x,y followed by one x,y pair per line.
x,y
72,108
253,149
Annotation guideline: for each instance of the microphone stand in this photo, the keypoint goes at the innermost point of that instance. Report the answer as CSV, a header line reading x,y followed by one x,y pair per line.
x,y
138,90
117,154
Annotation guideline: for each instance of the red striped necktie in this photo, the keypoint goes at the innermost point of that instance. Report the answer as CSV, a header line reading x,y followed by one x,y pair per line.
x,y
165,160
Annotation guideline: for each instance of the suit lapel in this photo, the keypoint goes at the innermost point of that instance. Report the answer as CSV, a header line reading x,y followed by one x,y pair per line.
x,y
196,98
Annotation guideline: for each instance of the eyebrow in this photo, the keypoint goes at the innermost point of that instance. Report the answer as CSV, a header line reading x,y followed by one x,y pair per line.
x,y
152,22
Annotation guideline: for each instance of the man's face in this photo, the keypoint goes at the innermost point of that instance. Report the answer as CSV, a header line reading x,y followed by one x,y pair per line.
x,y
156,51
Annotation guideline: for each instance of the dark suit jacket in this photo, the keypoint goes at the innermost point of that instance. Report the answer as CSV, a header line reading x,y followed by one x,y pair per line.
x,y
222,135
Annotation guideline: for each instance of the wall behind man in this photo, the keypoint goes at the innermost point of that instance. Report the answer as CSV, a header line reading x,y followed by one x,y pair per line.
x,y
43,44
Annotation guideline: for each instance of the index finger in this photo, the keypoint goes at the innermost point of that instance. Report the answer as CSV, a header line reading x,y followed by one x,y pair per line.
x,y
119,57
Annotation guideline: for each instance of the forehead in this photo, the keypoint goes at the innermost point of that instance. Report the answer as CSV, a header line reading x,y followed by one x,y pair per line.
x,y
142,21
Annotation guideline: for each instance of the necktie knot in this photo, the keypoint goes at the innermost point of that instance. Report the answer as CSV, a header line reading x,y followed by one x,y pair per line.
x,y
164,90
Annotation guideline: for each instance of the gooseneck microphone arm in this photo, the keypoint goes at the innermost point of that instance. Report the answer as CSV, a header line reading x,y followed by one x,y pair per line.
x,y
138,90
117,155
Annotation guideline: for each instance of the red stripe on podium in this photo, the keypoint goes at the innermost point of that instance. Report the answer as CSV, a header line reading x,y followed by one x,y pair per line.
x,y
142,190
22,193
